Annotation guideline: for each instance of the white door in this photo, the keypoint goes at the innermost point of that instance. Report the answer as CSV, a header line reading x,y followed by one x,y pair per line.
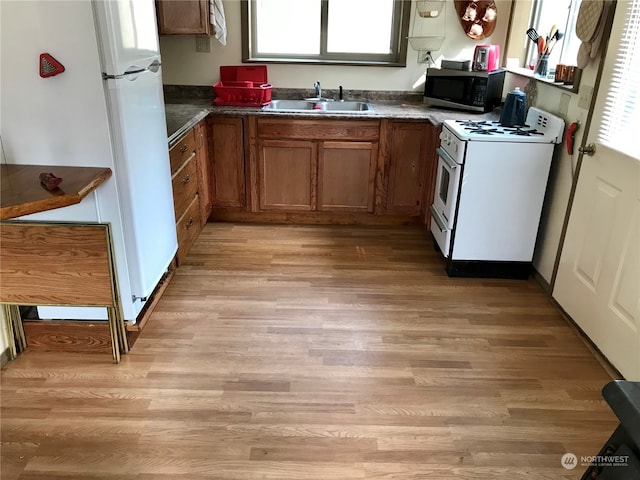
x,y
598,280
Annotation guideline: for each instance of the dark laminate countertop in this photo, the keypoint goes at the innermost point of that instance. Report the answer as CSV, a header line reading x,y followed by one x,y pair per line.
x,y
182,117
22,193
184,113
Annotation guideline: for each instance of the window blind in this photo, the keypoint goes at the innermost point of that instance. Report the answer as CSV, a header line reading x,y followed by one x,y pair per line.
x,y
621,115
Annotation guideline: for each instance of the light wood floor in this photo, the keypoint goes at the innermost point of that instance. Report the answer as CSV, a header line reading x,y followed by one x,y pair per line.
x,y
292,352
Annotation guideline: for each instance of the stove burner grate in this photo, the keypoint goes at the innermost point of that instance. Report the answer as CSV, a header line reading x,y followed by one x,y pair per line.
x,y
489,127
483,131
475,124
523,132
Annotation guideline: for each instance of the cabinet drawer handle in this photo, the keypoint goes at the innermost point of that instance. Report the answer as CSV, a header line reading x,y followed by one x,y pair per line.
x,y
189,223
186,179
183,148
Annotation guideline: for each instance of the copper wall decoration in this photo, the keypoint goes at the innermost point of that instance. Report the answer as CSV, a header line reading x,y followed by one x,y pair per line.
x,y
478,19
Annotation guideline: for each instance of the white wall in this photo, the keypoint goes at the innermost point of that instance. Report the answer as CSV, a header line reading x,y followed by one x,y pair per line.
x,y
550,98
4,342
182,65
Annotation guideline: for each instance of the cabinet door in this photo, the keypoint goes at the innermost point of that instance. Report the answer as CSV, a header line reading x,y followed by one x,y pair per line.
x,y
185,185
287,173
431,172
188,229
183,17
346,176
227,148
204,170
408,155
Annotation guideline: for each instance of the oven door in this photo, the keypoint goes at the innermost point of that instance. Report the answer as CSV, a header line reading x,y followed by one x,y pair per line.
x,y
447,185
444,203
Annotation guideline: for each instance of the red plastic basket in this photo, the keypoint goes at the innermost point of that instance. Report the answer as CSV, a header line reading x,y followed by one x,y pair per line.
x,y
243,86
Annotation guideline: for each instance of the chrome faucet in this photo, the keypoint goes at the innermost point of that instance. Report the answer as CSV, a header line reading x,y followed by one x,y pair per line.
x,y
318,89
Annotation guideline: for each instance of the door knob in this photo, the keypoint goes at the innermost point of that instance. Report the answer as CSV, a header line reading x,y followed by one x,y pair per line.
x,y
588,150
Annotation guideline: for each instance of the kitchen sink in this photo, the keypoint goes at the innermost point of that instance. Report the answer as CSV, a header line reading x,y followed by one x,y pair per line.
x,y
318,106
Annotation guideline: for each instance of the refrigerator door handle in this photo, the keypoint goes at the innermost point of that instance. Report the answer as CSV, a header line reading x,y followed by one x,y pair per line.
x,y
153,67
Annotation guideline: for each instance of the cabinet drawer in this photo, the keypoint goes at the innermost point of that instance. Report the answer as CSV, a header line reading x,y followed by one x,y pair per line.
x,y
188,228
182,150
319,129
185,185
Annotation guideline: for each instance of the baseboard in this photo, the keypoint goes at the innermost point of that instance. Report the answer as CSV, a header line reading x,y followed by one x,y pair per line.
x,y
537,276
5,356
133,331
592,347
311,218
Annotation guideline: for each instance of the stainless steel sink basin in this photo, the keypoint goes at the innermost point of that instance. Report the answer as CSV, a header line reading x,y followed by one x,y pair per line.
x,y
318,106
349,107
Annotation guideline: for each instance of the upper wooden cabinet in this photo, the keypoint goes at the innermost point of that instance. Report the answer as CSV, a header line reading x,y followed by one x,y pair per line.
x,y
183,17
227,179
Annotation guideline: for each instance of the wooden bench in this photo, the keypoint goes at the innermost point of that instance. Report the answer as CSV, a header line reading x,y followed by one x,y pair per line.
x,y
59,264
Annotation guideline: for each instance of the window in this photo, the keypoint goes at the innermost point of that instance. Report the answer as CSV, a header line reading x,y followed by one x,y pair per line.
x,y
357,32
621,113
563,14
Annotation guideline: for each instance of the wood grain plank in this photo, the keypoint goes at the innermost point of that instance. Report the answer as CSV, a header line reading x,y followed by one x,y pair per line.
x,y
306,351
66,336
21,192
55,265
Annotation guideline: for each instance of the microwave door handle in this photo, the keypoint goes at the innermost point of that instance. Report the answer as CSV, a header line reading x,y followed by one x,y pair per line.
x,y
471,89
446,158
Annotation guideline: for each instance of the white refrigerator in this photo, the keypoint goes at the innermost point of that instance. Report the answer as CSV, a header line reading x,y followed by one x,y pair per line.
x,y
106,109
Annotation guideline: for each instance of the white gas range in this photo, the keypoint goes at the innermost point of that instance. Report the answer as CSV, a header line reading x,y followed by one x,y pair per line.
x,y
489,192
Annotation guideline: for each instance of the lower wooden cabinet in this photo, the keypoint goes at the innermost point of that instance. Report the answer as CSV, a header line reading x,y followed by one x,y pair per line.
x,y
189,161
431,172
185,185
346,175
287,175
188,227
408,156
227,179
205,170
364,166
316,165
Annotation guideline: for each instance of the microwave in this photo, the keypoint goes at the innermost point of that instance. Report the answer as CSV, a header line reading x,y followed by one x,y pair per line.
x,y
463,90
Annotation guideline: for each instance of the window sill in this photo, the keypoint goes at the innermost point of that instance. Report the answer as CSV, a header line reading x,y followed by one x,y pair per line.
x,y
301,61
526,72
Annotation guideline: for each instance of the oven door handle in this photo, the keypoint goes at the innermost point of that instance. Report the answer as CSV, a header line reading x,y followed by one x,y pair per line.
x,y
446,158
436,216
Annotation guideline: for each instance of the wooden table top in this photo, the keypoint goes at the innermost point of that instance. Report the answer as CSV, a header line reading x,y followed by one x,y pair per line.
x,y
22,193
